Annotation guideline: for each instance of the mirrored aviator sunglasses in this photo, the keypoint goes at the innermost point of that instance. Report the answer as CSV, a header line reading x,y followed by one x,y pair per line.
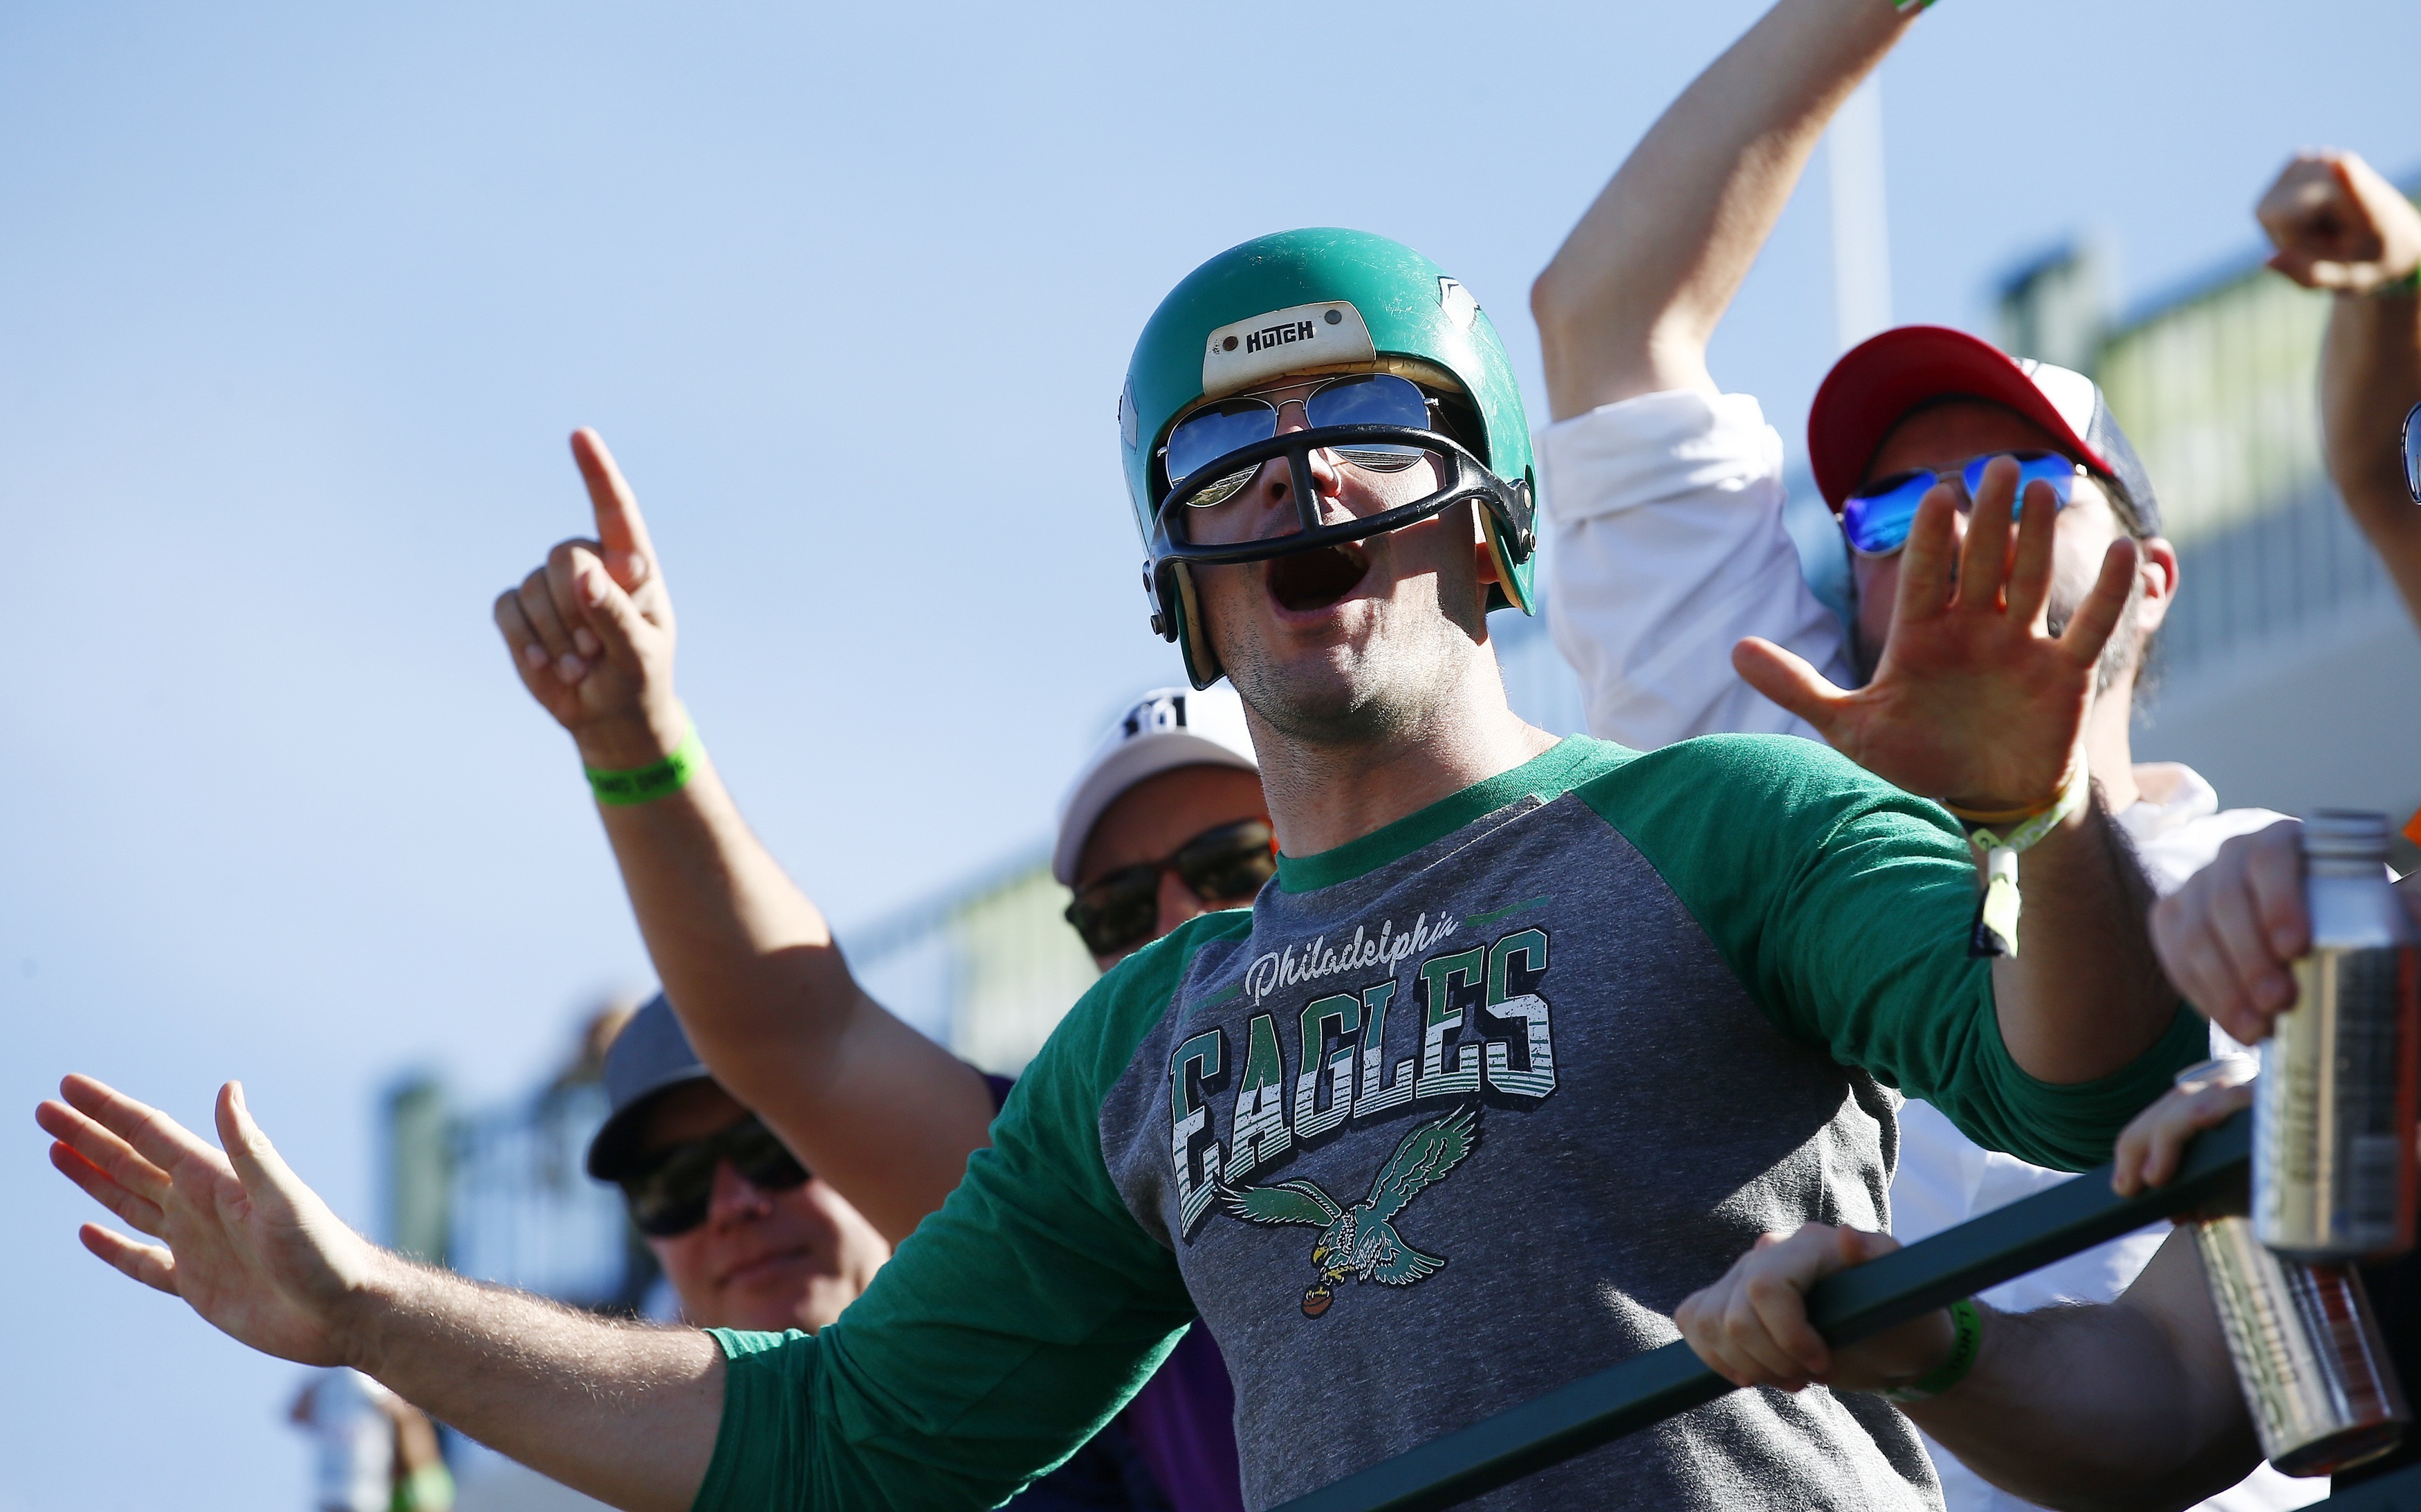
x,y
1223,867
1878,517
2413,452
672,1194
1230,425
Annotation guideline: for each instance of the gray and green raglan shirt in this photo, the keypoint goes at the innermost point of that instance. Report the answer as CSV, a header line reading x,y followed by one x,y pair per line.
x,y
1454,1114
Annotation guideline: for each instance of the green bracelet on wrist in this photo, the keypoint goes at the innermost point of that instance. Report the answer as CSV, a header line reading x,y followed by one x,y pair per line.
x,y
1967,1342
641,785
2399,288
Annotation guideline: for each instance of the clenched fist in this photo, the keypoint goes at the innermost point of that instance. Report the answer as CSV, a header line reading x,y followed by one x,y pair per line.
x,y
2338,225
592,631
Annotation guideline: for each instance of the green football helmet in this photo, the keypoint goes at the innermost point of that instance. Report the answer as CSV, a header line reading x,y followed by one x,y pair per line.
x,y
1316,303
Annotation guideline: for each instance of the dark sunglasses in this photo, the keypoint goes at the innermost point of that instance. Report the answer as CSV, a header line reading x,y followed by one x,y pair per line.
x,y
671,1193
2413,451
1227,865
1230,425
1878,517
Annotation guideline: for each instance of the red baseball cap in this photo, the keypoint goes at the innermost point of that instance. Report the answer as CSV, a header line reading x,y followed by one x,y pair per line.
x,y
1878,381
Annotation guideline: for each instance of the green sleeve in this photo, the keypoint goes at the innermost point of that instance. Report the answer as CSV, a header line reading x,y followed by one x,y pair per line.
x,y
1843,904
1008,1328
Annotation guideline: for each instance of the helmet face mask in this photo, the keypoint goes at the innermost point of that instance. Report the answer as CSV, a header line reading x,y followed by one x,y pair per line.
x,y
1293,309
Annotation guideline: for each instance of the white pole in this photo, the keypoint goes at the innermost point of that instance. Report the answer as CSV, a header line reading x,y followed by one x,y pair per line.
x,y
1861,302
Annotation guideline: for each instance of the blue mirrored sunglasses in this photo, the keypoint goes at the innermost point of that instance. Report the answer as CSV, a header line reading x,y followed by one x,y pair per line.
x,y
1363,400
2413,452
1877,518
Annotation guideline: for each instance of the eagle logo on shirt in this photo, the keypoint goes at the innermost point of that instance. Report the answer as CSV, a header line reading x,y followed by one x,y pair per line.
x,y
1360,1242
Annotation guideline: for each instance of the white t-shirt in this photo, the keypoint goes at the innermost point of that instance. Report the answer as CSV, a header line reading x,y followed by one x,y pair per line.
x,y
346,1413
1670,547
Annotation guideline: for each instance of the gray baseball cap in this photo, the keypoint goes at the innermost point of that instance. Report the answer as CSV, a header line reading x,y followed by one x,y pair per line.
x,y
649,1056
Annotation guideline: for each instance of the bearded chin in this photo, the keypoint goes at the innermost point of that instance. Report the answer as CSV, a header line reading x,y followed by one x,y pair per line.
x,y
2123,653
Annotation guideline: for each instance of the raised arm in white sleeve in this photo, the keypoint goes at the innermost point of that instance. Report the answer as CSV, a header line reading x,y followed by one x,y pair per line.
x,y
1670,547
1663,496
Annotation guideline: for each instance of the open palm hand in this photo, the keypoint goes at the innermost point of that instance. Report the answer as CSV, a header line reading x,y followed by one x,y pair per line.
x,y
240,1239
1974,702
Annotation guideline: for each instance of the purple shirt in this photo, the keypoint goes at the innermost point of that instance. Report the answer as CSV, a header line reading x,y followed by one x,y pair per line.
x,y
1182,1423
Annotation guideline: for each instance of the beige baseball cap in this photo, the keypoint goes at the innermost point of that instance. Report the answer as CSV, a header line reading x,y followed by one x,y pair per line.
x,y
1165,728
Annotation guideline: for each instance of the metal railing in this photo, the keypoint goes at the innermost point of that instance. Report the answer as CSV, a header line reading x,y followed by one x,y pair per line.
x,y
1852,1305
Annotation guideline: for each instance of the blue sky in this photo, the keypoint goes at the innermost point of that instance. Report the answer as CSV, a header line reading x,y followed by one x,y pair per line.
x,y
298,304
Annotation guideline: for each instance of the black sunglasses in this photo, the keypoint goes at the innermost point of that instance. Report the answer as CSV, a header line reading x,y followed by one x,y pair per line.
x,y
671,1193
1225,864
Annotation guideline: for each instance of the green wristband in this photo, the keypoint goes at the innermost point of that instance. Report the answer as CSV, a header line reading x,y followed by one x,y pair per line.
x,y
1911,6
1965,1345
2400,287
641,785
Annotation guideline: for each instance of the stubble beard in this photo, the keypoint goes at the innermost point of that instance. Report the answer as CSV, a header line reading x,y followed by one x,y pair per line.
x,y
1387,687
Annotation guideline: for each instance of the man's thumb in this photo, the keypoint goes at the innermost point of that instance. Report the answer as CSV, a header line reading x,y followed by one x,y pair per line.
x,y
1787,677
257,1165
610,611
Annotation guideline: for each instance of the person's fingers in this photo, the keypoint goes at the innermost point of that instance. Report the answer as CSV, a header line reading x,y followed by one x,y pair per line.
x,y
2295,263
266,1178
1984,557
530,658
151,1264
1751,1336
103,1151
2200,967
138,1213
1777,1290
561,566
1926,575
2258,980
1790,680
2090,628
2274,868
2029,590
537,607
630,555
152,1134
618,624
2202,1109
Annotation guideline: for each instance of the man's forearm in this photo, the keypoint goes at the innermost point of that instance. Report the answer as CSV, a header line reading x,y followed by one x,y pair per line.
x,y
625,1412
769,1002
2085,995
2370,376
1630,300
2128,1405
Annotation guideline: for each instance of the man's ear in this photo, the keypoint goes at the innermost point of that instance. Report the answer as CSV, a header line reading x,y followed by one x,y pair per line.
x,y
2156,563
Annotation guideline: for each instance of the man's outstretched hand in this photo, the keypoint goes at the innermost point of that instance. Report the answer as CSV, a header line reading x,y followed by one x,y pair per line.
x,y
1976,702
2338,225
242,1240
591,629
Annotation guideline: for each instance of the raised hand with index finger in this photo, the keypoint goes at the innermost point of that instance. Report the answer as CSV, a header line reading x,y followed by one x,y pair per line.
x,y
591,627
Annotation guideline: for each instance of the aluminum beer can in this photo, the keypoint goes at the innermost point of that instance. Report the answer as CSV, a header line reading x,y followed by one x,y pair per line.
x,y
2308,1350
2333,1113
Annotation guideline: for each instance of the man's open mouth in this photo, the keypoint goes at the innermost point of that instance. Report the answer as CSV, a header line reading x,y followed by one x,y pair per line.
x,y
1315,579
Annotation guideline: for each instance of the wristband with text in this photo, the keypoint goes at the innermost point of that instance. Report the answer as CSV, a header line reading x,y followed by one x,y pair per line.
x,y
640,784
1967,1342
1994,931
